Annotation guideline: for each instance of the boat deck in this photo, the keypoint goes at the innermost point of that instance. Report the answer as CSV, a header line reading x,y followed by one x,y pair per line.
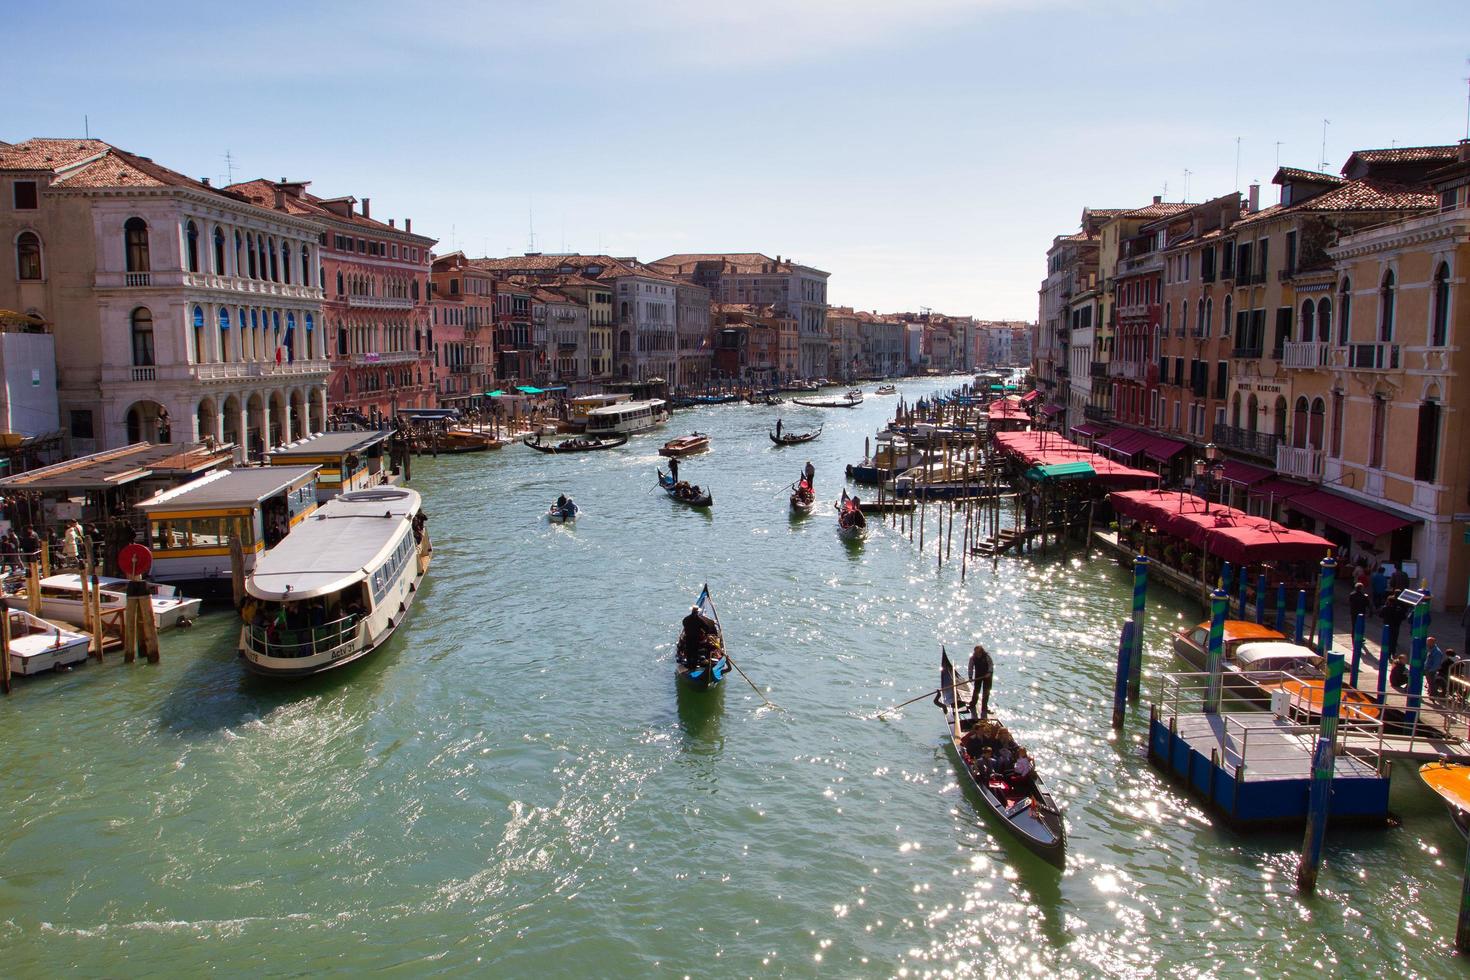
x,y
1271,749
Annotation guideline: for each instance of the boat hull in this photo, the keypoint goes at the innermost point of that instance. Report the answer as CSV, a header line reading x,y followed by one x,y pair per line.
x,y
703,677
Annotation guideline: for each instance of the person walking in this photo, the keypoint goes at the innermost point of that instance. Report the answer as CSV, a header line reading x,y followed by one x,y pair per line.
x,y
1393,613
71,543
1360,603
1399,579
1378,583
981,672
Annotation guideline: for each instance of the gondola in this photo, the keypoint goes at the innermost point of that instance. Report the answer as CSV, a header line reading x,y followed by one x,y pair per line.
x,y
580,444
803,498
850,520
686,497
795,438
700,660
694,442
847,402
1031,815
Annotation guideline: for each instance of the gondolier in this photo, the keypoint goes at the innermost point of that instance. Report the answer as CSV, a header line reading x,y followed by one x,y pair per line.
x,y
981,672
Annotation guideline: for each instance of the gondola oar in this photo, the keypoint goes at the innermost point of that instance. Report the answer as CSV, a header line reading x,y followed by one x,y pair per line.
x,y
927,694
726,649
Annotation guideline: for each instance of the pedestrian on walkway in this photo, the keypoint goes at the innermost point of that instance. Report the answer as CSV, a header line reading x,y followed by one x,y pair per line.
x,y
1433,661
1360,603
1379,584
1399,579
1393,613
1398,676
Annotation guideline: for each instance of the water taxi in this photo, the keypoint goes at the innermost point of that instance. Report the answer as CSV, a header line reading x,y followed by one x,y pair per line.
x,y
37,646
61,598
627,418
338,586
189,527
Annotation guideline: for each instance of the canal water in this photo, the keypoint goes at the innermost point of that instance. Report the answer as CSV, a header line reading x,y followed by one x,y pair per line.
x,y
514,785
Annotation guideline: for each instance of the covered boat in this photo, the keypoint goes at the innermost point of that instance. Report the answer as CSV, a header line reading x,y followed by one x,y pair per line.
x,y
690,495
694,442
1017,802
37,646
61,598
699,658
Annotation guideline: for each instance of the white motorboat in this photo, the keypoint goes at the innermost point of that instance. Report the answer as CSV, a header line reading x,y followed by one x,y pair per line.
x,y
37,646
61,598
338,586
627,418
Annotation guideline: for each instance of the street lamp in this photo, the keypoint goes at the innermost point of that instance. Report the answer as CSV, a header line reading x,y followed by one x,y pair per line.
x,y
1211,469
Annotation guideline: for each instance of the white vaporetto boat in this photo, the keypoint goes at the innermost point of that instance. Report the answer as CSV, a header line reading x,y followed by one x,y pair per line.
x,y
61,598
338,586
627,418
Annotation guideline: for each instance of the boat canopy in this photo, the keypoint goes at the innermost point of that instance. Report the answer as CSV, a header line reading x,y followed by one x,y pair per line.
x,y
338,545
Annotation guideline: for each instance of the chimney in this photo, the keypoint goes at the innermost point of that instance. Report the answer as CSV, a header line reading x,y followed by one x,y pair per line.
x,y
204,181
1464,155
408,224
1158,199
280,199
282,180
367,207
390,222
1255,198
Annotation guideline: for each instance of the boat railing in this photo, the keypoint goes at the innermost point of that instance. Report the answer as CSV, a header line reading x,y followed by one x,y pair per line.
x,y
284,642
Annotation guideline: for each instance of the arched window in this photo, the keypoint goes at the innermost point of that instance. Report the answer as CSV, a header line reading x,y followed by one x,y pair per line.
x,y
1345,313
1209,317
1377,430
239,258
1299,424
275,270
28,256
414,290
1426,453
1309,319
1338,408
341,340
310,337
1317,423
340,290
1168,318
250,254
197,320
1439,315
141,324
224,334
135,238
1250,413
305,266
191,246
1385,307
1324,319
1225,320
286,263
219,251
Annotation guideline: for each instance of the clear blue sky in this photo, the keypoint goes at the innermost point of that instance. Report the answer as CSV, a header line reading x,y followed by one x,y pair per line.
x,y
922,151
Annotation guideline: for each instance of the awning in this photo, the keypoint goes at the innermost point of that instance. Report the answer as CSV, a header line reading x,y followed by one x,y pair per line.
x,y
1061,471
1243,474
1053,409
1162,450
529,390
497,393
1279,490
1090,429
1126,442
1366,524
1030,396
554,388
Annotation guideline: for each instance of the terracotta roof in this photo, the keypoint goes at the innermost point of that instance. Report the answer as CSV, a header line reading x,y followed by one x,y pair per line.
x,y
1368,194
93,163
48,154
262,193
739,262
546,265
1285,174
1163,209
1405,154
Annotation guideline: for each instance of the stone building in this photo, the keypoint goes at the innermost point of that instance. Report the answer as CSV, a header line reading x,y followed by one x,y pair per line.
x,y
462,322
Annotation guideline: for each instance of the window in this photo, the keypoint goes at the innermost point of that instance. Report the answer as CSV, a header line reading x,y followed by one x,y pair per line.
x,y
28,256
191,246
1344,312
270,250
135,238
1426,457
340,290
250,255
81,423
1290,252
1222,376
224,334
1324,319
1337,410
305,266
1314,428
197,320
1439,316
24,195
141,323
1309,316
286,263
219,252
1377,431
1299,424
1385,307
1225,320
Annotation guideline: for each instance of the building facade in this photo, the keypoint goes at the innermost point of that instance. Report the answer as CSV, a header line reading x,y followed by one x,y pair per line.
x,y
462,325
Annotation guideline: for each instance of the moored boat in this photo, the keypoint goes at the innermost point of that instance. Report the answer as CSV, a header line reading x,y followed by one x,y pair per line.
x,y
61,599
685,493
576,444
700,660
338,586
37,646
1018,803
850,400
627,418
694,442
886,390
1451,782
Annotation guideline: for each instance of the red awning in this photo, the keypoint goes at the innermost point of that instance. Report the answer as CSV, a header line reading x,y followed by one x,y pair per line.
x,y
1243,474
1366,524
1031,396
1224,531
1129,442
1053,409
1090,429
1279,490
1161,449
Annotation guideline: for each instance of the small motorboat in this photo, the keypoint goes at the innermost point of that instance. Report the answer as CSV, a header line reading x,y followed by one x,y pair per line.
x,y
684,493
1451,782
1021,806
851,523
37,646
564,511
694,442
61,598
578,444
794,438
700,660
886,390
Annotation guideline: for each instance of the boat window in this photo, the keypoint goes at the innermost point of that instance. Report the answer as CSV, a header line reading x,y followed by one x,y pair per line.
x,y
176,534
1202,637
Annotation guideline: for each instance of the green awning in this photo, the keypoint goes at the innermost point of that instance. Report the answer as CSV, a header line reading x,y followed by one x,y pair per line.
x,y
1061,471
529,390
497,393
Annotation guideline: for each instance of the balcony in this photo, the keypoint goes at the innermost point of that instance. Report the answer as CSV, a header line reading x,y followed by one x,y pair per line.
x,y
257,287
1259,444
143,373
137,278
1246,353
1097,413
1307,355
1373,357
224,371
1125,370
1098,369
385,357
380,302
1305,464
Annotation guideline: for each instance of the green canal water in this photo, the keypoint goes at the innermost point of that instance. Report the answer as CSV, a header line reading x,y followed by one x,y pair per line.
x,y
513,785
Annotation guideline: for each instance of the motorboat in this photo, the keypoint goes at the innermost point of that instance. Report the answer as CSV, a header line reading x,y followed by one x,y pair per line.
x,y
37,646
61,599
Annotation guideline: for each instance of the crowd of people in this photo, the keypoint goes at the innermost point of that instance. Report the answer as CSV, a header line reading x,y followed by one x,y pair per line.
x,y
17,548
991,753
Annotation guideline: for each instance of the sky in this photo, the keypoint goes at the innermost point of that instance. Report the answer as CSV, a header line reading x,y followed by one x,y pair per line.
x,y
924,152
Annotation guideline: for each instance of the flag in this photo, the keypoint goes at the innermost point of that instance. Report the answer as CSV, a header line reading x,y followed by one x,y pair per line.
x,y
703,595
278,357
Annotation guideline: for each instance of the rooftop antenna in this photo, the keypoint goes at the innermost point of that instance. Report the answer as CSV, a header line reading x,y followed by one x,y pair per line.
x,y
229,167
1279,144
86,126
1187,172
1325,124
1237,163
1467,103
531,224
1166,190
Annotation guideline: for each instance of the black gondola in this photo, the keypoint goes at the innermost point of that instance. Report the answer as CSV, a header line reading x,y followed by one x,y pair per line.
x,y
700,660
1027,812
839,403
689,496
795,438
580,444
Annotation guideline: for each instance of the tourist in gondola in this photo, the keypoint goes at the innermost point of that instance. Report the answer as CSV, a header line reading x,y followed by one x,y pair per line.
x,y
699,637
981,672
1023,774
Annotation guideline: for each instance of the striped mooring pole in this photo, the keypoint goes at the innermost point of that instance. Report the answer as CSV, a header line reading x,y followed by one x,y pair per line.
x,y
1324,606
1140,597
1245,581
1215,655
1120,680
1281,607
1323,764
1417,652
1301,616
1261,598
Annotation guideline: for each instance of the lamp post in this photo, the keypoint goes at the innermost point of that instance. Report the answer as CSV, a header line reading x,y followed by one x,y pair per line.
x,y
1211,469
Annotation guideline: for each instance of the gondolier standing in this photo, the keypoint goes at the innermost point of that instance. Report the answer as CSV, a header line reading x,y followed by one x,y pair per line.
x,y
981,672
810,472
778,428
674,468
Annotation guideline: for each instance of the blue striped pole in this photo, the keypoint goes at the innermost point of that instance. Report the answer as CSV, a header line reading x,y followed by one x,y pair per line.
x,y
1324,606
1215,655
1383,665
1281,607
1301,615
1360,627
1120,682
1323,764
1244,578
1261,598
1417,651
1140,596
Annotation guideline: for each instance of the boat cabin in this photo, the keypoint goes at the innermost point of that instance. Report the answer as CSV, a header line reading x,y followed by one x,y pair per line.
x,y
581,405
348,460
189,527
627,418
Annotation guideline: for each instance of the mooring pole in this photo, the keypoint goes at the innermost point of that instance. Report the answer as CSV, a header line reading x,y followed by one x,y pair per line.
x,y
1417,651
1281,607
1261,598
1140,596
1120,681
1324,606
1359,628
1215,656
1244,584
1383,641
1301,616
1323,764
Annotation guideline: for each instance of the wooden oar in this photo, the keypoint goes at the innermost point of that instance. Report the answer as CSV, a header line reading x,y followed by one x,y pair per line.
x,y
726,650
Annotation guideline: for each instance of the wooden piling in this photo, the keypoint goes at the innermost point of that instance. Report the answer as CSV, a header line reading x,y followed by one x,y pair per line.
x,y
5,651
33,587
